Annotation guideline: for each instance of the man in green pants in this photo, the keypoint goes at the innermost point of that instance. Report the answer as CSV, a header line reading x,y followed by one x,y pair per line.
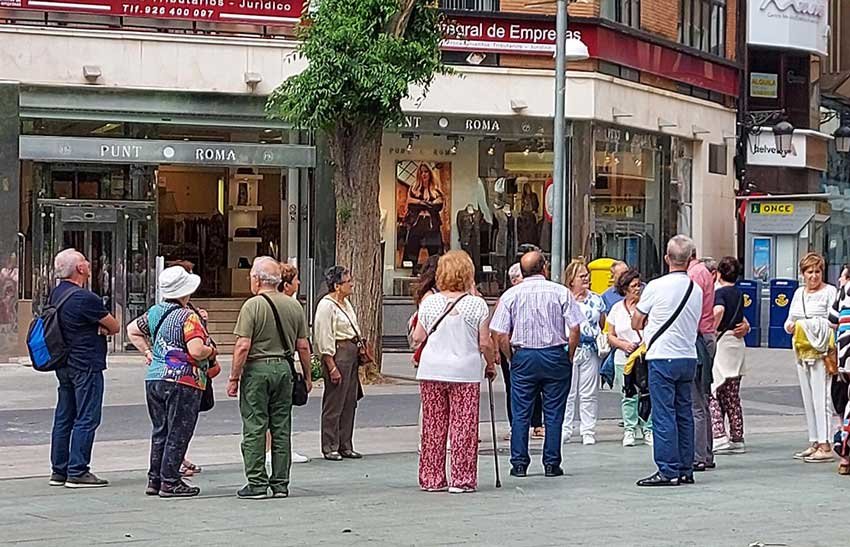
x,y
262,369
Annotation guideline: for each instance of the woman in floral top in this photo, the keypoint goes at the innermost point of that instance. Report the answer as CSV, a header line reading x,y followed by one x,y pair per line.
x,y
585,378
178,351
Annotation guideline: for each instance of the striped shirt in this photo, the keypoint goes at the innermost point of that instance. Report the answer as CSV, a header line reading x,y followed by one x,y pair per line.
x,y
839,314
537,314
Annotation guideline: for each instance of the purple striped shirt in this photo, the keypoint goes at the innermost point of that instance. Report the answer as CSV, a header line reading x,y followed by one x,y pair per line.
x,y
537,314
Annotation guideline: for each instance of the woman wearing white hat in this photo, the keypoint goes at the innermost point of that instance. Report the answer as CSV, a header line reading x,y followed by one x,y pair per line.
x,y
178,351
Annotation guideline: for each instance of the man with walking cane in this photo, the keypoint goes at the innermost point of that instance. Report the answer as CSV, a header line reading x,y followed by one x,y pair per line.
x,y
540,320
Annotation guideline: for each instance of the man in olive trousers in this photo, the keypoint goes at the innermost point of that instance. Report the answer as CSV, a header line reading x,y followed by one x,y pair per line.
x,y
261,376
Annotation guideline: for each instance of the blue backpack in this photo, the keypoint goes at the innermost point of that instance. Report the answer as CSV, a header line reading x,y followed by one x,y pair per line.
x,y
45,342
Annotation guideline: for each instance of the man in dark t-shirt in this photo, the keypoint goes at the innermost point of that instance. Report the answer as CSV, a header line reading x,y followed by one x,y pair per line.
x,y
85,323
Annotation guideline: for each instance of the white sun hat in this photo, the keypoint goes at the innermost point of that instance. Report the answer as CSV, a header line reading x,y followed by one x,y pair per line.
x,y
175,282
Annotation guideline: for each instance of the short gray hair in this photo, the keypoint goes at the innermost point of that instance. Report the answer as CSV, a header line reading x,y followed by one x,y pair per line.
x,y
680,249
66,262
267,271
515,271
710,263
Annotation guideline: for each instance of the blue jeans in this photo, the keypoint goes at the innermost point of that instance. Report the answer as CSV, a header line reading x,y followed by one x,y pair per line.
x,y
535,371
672,416
77,417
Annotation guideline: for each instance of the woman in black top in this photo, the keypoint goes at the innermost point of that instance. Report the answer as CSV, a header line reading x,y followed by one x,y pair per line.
x,y
424,203
725,402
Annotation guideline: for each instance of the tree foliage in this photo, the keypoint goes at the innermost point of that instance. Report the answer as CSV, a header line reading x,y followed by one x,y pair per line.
x,y
363,57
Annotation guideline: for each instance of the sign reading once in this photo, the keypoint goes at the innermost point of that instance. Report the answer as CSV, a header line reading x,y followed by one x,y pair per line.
x,y
258,12
772,208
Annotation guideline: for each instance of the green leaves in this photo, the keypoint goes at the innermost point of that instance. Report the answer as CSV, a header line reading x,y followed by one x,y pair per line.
x,y
359,70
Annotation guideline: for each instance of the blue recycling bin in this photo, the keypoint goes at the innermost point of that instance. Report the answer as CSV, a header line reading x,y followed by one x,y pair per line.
x,y
781,293
751,290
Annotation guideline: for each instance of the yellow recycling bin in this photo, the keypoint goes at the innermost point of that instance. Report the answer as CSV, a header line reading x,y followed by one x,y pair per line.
x,y
600,274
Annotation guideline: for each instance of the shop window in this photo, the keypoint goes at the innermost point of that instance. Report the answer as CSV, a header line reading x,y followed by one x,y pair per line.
x,y
465,58
619,71
717,159
469,5
625,213
681,187
702,25
626,12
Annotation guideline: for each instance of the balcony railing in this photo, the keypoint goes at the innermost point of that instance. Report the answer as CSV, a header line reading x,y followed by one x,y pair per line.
x,y
470,5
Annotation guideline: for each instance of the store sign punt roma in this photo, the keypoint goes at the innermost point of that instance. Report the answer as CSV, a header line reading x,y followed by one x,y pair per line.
x,y
257,12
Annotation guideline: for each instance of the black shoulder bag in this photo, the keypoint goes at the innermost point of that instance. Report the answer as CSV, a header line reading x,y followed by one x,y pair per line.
x,y
299,384
208,397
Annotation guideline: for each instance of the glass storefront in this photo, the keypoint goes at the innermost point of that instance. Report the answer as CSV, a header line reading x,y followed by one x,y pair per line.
x,y
484,195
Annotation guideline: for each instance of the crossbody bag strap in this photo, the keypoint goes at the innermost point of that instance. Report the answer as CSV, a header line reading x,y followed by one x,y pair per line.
x,y
350,322
65,298
673,317
162,322
279,325
734,315
446,312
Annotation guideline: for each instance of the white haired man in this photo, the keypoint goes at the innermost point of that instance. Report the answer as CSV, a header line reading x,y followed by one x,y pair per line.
x,y
669,313
85,323
262,376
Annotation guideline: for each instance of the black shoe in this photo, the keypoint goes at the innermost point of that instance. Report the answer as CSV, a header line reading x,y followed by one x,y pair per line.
x,y
519,471
711,465
686,479
152,488
249,492
700,467
553,470
333,456
179,490
280,492
86,480
57,480
350,454
658,480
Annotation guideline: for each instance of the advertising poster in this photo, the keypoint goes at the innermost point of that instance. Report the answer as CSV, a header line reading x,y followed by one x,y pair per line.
x,y
423,205
761,258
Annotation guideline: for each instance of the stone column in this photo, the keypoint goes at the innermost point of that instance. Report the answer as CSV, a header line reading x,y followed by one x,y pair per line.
x,y
10,203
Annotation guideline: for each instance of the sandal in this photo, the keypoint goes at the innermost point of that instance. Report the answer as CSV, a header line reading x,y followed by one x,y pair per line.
x,y
188,469
844,468
538,433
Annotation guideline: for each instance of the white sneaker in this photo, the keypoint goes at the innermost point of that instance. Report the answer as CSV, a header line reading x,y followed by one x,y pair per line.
x,y
588,439
629,438
458,490
730,448
648,439
298,458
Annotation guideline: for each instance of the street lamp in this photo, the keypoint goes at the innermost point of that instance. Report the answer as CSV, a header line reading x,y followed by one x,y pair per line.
x,y
842,138
571,49
783,132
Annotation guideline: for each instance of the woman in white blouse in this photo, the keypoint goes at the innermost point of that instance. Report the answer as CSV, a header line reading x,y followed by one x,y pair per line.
x,y
807,319
454,325
335,333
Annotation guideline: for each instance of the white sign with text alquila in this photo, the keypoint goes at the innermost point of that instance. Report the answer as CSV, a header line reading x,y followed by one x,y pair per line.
x,y
789,24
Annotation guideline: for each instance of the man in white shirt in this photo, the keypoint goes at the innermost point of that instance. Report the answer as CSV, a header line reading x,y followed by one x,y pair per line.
x,y
669,312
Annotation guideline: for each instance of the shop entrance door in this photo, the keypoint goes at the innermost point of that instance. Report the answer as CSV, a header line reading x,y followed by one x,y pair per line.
x,y
117,239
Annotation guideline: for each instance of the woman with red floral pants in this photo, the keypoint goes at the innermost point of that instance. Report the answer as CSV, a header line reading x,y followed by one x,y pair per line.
x,y
454,325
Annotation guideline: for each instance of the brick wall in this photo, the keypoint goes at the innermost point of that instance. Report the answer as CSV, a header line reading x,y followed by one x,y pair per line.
x,y
660,17
731,28
579,8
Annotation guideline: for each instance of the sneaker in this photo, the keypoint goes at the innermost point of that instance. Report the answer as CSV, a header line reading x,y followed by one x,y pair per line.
x,y
280,491
806,453
435,489
738,447
298,458
249,492
629,438
179,490
460,490
648,439
820,456
722,445
152,488
588,439
57,480
730,448
86,480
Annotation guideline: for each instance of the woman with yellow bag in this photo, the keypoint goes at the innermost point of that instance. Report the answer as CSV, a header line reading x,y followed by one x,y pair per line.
x,y
814,346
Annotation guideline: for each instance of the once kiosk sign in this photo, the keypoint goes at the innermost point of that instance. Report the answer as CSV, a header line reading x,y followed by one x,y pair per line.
x,y
44,148
791,24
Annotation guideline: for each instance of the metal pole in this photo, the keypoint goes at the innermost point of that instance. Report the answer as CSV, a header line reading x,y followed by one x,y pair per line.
x,y
558,178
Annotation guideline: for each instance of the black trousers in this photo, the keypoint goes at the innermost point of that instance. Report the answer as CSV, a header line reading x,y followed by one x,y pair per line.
x,y
536,412
173,409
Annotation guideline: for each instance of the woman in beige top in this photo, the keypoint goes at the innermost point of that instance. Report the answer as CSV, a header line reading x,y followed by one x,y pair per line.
x,y
334,334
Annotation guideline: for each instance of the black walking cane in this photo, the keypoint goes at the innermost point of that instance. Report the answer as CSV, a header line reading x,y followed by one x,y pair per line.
x,y
493,427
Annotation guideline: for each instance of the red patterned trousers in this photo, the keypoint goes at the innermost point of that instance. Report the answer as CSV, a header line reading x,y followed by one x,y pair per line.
x,y
726,405
449,409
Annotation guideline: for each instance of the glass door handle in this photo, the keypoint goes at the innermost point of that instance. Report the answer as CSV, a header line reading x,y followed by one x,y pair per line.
x,y
22,246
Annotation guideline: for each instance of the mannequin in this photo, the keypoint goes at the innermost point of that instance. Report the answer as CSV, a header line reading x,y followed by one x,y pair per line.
x,y
504,238
469,222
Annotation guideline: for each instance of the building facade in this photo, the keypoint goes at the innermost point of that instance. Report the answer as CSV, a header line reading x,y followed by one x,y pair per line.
x,y
151,140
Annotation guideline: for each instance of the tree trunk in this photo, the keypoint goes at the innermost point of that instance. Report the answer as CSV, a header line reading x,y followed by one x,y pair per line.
x,y
356,153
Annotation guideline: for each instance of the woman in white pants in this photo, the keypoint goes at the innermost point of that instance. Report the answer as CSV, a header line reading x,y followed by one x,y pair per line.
x,y
585,380
806,322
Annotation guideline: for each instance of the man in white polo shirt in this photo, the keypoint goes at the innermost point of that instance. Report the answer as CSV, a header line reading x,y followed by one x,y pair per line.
x,y
668,313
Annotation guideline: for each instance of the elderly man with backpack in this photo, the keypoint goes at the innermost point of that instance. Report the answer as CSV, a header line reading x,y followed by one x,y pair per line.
x,y
78,359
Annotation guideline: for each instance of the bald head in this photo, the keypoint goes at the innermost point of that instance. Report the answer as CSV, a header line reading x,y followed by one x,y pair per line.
x,y
532,263
266,271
